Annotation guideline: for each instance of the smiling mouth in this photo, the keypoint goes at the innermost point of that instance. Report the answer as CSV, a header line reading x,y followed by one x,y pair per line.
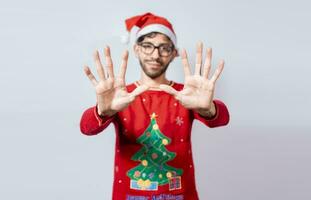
x,y
154,64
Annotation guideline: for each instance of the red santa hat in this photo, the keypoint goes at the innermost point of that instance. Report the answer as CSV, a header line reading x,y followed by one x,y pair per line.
x,y
148,23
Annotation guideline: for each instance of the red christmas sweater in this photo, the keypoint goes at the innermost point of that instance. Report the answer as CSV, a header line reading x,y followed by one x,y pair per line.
x,y
153,155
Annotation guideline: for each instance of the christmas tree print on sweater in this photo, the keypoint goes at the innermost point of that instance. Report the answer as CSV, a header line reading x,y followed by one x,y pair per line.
x,y
153,170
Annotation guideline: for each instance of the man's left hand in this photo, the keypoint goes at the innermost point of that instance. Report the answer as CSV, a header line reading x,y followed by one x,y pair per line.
x,y
198,91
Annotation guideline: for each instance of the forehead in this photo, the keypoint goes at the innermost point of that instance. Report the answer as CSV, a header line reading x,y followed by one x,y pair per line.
x,y
158,39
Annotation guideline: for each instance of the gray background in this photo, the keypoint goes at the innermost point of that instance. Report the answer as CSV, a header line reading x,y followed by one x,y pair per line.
x,y
263,154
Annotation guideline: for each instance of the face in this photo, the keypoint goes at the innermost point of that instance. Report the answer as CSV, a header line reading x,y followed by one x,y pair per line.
x,y
154,65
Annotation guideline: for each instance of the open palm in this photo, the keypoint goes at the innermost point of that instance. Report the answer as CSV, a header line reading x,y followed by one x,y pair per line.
x,y
111,92
198,91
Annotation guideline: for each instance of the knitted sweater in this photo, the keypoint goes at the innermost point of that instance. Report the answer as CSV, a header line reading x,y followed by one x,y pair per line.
x,y
153,155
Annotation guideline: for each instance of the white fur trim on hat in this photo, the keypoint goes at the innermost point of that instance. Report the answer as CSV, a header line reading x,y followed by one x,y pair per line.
x,y
157,28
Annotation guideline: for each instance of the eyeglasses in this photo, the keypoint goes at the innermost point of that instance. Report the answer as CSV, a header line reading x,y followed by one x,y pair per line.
x,y
164,49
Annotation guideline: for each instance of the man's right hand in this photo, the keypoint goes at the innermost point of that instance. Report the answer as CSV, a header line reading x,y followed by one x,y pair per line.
x,y
111,92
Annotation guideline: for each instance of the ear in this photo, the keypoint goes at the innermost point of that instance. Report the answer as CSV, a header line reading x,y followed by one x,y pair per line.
x,y
176,53
135,48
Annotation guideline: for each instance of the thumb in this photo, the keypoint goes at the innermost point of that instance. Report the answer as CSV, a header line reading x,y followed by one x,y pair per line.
x,y
169,89
139,90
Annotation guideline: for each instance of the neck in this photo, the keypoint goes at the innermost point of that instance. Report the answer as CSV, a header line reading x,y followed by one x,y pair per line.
x,y
153,83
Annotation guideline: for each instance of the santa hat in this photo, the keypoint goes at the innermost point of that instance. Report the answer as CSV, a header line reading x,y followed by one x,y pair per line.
x,y
148,23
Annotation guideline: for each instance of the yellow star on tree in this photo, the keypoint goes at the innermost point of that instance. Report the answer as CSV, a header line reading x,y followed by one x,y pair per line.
x,y
153,116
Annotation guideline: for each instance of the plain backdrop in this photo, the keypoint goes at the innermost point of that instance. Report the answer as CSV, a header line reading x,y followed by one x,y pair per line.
x,y
263,154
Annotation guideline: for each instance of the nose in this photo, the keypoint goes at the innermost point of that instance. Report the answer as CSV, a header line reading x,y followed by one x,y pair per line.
x,y
155,53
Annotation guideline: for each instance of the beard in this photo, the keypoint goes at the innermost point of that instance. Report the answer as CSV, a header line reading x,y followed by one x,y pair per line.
x,y
154,74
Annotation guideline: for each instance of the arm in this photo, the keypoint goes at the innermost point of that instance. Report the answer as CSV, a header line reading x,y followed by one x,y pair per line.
x,y
91,123
198,91
209,112
111,94
221,118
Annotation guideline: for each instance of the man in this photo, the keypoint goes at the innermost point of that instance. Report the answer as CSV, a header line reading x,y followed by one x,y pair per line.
x,y
153,116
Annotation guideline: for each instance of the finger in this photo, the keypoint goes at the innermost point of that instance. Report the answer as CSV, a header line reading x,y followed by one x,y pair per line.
x,y
140,89
198,59
89,74
99,66
124,64
218,71
207,63
169,89
185,63
109,61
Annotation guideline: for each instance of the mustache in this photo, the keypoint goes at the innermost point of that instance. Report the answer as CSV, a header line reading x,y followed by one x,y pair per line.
x,y
154,61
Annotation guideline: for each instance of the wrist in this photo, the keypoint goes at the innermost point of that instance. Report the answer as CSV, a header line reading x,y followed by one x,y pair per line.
x,y
103,113
209,112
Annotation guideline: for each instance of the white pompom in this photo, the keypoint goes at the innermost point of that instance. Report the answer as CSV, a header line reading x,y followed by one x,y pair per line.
x,y
125,38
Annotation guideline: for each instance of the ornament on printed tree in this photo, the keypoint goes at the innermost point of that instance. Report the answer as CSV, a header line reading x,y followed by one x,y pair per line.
x,y
153,156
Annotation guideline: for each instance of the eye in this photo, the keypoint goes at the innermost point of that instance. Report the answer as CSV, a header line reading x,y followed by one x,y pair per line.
x,y
147,46
166,48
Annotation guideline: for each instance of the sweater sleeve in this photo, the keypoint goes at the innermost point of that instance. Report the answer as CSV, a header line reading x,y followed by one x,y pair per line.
x,y
221,118
91,123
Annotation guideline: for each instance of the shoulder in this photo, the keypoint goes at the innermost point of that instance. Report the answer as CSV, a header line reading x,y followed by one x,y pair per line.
x,y
130,87
177,86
